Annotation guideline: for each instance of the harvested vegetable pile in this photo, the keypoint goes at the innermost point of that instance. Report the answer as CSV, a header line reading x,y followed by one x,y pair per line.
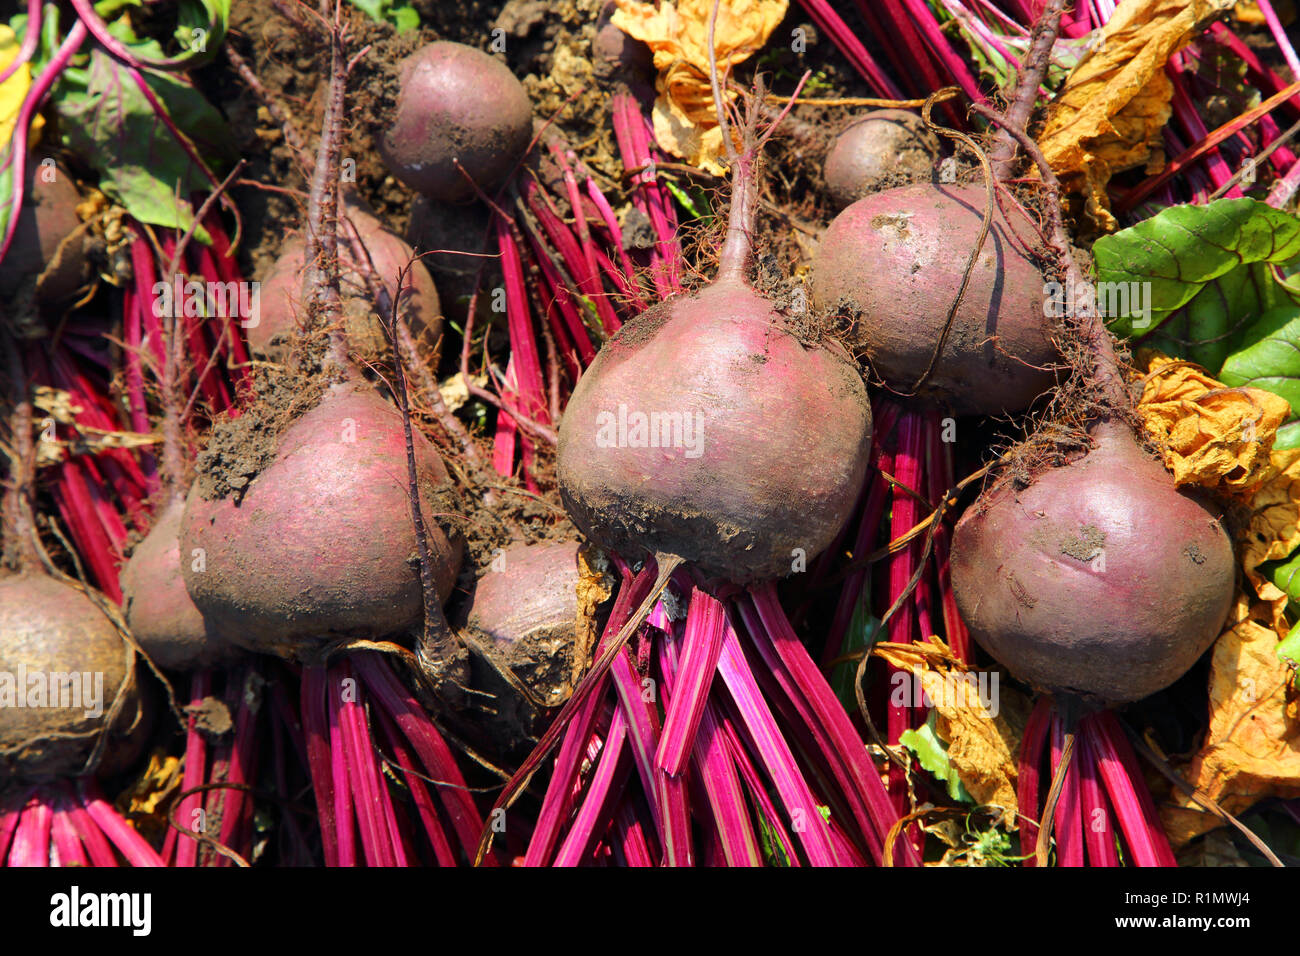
x,y
692,432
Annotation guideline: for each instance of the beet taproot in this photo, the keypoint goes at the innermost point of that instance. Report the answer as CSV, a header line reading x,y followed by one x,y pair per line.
x,y
894,261
48,631
456,104
1099,578
161,614
705,428
320,544
281,315
881,149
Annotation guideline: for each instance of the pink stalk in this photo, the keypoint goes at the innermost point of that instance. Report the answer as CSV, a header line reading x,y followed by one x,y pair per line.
x,y
714,772
754,785
507,431
67,844
571,252
822,713
1028,774
939,478
92,837
605,788
123,836
705,621
902,626
868,531
573,328
31,841
564,775
1185,111
603,307
833,25
443,854
1098,821
315,723
626,275
131,317
32,102
1128,792
800,805
523,343
363,775
143,267
345,825
31,39
922,17
1279,37
9,819
667,795
453,793
631,837
1067,820
912,55
237,810
630,134
196,747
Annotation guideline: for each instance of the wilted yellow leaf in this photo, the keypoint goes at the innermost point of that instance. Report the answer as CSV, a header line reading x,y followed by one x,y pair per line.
x,y
1108,114
1252,747
595,585
678,34
14,89
983,735
1210,435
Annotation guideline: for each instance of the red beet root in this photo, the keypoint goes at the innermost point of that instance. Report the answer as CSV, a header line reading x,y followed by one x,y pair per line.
x,y
321,543
1099,578
456,104
895,260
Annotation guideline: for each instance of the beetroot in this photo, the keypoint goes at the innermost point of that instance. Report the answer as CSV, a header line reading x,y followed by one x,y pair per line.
x,y
525,614
48,629
706,428
162,617
895,260
280,313
883,148
46,243
320,544
456,103
1099,578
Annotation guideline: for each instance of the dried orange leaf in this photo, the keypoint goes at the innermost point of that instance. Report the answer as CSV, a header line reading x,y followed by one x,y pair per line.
x,y
1252,747
980,724
678,35
1210,435
1108,114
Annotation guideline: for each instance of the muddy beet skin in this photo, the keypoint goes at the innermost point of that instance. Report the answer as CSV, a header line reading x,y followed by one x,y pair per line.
x,y
769,456
456,104
1099,578
321,544
883,148
48,627
893,262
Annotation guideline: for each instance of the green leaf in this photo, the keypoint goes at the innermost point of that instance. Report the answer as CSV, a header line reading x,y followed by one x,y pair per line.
x,y
1285,575
1289,649
1271,361
861,626
1204,271
403,17
111,126
933,755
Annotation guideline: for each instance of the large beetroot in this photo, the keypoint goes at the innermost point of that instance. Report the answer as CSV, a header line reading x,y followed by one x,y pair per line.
x,y
320,544
708,428
1099,578
893,262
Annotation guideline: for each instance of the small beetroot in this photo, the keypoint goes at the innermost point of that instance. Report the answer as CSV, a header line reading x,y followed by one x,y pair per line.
x,y
456,104
883,148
